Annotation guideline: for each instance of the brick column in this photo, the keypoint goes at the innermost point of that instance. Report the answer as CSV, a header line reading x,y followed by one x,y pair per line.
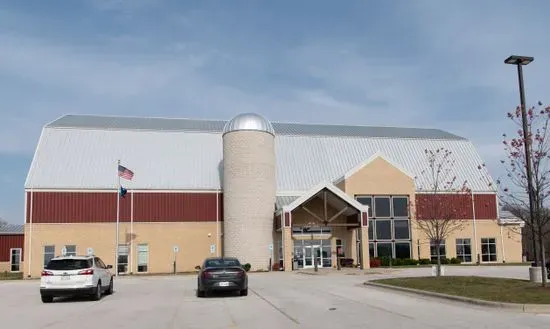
x,y
288,249
364,238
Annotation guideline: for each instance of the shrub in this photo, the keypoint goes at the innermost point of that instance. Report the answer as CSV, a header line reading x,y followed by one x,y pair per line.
x,y
247,267
375,262
425,261
455,260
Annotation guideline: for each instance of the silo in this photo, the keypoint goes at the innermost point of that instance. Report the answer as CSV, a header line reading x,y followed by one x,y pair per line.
x,y
249,186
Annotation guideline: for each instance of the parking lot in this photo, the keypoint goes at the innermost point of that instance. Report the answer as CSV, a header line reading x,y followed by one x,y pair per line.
x,y
275,300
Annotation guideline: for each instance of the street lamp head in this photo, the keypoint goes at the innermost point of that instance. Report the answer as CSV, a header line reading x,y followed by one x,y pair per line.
x,y
518,60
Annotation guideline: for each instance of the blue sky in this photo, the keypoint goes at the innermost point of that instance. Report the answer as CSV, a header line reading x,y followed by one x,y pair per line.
x,y
391,63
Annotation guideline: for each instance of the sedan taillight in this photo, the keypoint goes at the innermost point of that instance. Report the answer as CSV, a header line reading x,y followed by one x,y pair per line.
x,y
46,273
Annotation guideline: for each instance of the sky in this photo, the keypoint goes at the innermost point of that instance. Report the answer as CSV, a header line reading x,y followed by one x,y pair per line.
x,y
432,64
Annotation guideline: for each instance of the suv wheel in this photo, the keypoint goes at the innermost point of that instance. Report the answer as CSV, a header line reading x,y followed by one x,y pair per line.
x,y
110,289
97,292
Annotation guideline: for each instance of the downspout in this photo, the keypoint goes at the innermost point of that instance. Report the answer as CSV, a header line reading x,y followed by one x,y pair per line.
x,y
475,230
30,234
217,224
501,235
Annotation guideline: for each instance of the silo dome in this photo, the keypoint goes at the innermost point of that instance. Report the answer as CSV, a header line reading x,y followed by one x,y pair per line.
x,y
248,121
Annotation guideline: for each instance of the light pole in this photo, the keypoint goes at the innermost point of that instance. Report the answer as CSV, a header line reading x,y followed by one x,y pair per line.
x,y
519,61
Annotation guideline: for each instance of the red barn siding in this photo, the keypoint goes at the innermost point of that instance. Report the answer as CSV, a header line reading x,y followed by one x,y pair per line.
x,y
486,206
175,207
8,241
442,206
460,204
100,207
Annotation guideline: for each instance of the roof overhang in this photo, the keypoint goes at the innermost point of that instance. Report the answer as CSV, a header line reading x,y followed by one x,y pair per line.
x,y
318,188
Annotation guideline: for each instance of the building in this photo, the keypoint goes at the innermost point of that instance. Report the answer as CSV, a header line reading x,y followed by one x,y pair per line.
x,y
286,194
11,247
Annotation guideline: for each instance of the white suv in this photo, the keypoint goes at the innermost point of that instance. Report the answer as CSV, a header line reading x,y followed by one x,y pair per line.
x,y
75,275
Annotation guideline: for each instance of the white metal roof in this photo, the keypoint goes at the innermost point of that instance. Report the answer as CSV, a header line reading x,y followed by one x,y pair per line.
x,y
187,158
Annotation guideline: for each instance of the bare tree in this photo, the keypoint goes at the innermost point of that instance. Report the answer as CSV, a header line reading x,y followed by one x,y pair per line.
x,y
440,207
515,192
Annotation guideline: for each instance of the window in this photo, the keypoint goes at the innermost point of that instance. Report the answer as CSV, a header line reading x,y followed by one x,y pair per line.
x,y
402,250
371,229
367,201
49,253
383,230
433,250
371,250
464,250
488,250
382,207
384,249
68,264
400,207
143,258
401,229
15,259
71,250
123,258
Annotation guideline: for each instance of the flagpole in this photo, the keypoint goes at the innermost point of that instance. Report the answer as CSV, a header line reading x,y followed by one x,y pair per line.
x,y
117,218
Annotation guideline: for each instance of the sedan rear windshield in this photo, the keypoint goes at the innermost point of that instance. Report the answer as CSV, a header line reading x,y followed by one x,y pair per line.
x,y
69,264
222,263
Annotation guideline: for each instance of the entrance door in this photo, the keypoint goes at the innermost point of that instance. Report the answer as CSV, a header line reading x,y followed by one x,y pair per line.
x,y
312,254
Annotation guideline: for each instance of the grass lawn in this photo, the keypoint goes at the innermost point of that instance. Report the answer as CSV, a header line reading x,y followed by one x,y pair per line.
x,y
491,289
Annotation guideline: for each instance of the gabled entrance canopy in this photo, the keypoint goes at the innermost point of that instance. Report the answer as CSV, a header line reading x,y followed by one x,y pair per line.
x,y
332,197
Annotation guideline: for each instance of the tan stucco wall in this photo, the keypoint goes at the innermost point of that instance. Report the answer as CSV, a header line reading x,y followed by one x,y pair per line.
x,y
380,177
484,229
192,239
5,267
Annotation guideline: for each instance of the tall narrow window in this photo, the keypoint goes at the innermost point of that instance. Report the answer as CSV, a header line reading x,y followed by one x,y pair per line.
x,y
15,259
488,250
433,250
464,250
143,257
49,253
123,258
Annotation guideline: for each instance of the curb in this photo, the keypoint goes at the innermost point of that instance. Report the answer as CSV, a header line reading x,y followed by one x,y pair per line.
x,y
525,308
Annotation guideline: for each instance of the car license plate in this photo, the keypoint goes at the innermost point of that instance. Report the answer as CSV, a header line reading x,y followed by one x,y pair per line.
x,y
66,277
224,284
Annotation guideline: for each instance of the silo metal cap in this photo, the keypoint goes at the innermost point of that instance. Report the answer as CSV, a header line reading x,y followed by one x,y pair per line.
x,y
249,121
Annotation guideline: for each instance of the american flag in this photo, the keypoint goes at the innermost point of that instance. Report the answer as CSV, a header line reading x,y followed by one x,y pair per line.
x,y
125,172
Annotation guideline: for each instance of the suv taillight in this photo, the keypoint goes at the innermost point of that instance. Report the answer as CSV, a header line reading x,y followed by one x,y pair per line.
x,y
89,271
206,274
46,273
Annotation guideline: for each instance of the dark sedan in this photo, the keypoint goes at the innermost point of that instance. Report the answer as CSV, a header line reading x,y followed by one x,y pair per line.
x,y
222,274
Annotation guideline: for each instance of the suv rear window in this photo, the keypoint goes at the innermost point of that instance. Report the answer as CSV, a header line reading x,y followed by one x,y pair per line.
x,y
69,264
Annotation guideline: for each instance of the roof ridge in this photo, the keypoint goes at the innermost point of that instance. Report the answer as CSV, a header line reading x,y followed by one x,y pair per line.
x,y
360,130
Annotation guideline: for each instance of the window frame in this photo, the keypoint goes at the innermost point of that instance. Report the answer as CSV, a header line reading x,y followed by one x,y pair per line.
x,y
75,253
370,210
403,243
20,259
489,254
391,238
406,197
138,263
433,257
463,255
390,210
44,253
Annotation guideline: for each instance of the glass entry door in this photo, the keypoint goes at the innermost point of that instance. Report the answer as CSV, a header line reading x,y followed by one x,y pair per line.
x,y
312,254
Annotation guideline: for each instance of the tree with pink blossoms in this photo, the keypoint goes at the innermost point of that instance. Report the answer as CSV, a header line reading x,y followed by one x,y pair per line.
x,y
440,205
514,188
